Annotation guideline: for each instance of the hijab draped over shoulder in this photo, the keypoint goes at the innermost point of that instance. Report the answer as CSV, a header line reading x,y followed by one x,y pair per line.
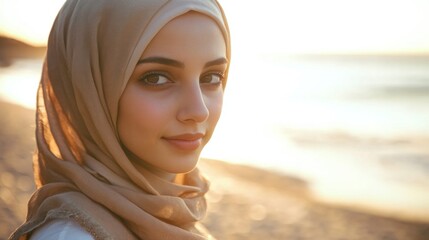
x,y
82,172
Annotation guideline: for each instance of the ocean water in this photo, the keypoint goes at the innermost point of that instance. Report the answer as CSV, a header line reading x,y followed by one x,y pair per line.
x,y
18,82
355,127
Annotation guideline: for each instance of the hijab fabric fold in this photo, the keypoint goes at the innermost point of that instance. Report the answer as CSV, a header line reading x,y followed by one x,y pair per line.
x,y
82,172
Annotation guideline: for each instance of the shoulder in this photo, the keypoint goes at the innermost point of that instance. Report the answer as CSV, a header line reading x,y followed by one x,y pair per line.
x,y
61,229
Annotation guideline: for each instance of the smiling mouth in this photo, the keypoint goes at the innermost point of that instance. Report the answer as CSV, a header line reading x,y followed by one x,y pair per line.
x,y
185,142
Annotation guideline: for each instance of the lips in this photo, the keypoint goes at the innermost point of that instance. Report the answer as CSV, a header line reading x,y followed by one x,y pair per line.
x,y
185,142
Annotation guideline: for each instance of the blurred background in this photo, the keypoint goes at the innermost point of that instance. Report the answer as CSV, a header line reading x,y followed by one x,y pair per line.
x,y
334,93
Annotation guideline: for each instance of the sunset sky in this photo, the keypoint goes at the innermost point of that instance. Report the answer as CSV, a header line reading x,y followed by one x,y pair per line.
x,y
278,26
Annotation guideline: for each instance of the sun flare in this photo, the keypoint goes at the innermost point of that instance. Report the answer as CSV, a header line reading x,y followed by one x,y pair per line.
x,y
27,20
331,26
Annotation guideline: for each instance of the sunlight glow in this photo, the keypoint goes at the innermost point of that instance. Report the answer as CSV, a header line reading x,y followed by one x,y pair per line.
x,y
331,26
18,84
307,26
268,95
28,20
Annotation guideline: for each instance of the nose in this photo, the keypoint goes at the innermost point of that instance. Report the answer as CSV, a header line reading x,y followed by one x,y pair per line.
x,y
193,108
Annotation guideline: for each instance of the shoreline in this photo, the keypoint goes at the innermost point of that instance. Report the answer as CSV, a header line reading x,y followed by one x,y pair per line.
x,y
244,202
301,189
259,207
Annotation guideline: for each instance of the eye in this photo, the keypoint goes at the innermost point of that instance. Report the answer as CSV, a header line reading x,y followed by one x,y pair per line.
x,y
154,79
213,78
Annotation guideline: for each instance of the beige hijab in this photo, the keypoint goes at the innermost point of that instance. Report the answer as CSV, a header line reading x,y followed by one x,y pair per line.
x,y
82,172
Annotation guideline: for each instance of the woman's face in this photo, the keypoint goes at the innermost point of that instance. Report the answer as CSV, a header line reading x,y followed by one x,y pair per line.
x,y
173,100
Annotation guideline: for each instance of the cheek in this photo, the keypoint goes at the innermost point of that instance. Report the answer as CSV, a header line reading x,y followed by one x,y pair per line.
x,y
214,104
141,115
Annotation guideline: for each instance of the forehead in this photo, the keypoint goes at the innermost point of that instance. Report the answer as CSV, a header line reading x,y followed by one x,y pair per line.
x,y
189,31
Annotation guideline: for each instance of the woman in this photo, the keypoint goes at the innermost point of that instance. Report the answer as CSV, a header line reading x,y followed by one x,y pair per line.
x,y
131,92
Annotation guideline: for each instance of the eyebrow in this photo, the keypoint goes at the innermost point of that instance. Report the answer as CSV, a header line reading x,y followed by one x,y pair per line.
x,y
162,60
175,63
218,61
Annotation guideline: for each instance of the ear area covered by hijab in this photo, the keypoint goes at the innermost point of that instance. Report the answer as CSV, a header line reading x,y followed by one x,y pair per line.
x,y
81,170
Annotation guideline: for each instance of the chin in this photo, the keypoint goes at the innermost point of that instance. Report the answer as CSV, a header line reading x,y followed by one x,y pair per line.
x,y
183,165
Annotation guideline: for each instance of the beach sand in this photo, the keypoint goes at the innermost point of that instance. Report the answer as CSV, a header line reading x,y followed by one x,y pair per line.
x,y
244,202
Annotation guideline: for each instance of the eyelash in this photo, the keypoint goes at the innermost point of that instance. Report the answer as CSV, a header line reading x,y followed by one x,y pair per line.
x,y
221,76
154,73
142,79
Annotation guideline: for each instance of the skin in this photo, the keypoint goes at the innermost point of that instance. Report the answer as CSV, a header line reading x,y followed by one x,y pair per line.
x,y
173,100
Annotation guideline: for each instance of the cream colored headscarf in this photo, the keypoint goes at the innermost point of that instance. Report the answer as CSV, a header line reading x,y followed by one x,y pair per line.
x,y
82,172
